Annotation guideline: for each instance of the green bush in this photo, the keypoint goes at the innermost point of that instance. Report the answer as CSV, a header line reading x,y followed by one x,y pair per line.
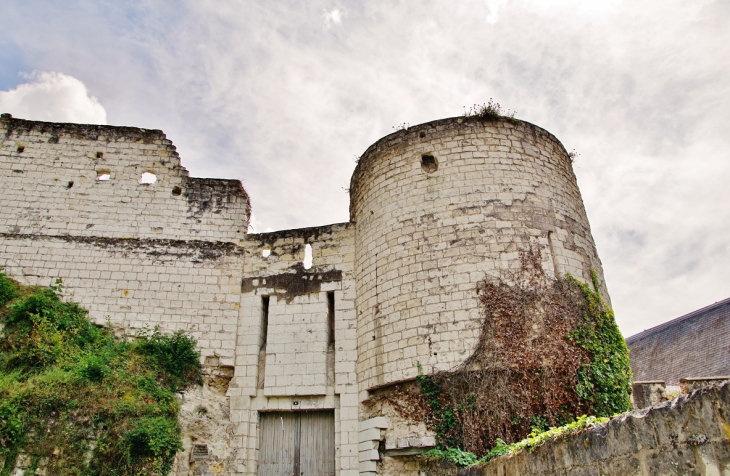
x,y
175,354
65,383
155,438
8,289
464,459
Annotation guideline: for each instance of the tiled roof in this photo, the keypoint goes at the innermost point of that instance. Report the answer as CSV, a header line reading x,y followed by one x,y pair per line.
x,y
694,345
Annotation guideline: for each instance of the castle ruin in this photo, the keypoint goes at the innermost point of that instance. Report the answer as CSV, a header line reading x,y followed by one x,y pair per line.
x,y
292,352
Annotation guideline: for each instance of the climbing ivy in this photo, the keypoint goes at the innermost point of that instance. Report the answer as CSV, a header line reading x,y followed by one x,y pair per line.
x,y
605,379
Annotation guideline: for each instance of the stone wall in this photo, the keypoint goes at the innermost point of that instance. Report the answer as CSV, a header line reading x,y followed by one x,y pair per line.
x,y
49,174
437,208
136,284
302,355
688,435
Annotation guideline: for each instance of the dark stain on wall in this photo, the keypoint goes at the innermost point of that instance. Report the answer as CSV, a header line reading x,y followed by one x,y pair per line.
x,y
205,195
160,250
297,282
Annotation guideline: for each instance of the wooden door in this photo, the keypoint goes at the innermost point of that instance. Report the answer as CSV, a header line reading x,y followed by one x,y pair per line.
x,y
297,444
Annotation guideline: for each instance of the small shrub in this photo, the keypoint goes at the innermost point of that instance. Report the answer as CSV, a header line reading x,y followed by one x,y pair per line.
x,y
152,441
460,458
176,355
94,370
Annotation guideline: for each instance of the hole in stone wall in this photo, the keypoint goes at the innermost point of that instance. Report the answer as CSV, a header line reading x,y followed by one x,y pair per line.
x,y
100,155
266,252
422,135
103,175
147,178
176,190
307,256
20,149
429,163
70,184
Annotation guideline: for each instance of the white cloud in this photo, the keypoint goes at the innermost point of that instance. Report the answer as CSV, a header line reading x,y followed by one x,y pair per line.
x,y
54,97
262,92
494,7
332,17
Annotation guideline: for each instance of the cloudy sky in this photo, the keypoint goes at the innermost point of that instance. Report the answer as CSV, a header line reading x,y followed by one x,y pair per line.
x,y
284,95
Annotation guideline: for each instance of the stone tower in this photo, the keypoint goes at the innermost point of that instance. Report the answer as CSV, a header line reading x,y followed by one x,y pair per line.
x,y
438,207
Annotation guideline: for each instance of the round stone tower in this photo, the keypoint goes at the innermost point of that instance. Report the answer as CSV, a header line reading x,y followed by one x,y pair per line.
x,y
440,206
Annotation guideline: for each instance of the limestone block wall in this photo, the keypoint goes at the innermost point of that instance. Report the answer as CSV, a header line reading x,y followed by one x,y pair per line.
x,y
688,435
49,174
437,208
296,348
135,284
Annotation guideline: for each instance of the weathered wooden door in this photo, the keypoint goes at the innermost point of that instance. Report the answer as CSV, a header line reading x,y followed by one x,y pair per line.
x,y
297,444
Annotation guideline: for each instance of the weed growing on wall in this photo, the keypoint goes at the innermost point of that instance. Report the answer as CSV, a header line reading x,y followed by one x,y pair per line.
x,y
549,350
75,399
490,111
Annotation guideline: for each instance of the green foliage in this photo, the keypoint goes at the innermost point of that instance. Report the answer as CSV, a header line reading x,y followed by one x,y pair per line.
x,y
444,414
464,459
8,289
82,400
537,438
153,438
604,381
474,405
460,458
539,423
175,354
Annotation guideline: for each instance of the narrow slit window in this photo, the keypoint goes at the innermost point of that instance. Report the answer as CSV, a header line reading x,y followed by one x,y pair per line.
x,y
307,256
331,318
264,319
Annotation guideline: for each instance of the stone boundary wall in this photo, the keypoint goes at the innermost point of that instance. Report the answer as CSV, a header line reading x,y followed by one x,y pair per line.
x,y
689,435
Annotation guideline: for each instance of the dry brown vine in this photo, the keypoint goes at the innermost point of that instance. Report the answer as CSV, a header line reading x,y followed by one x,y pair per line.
x,y
522,372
